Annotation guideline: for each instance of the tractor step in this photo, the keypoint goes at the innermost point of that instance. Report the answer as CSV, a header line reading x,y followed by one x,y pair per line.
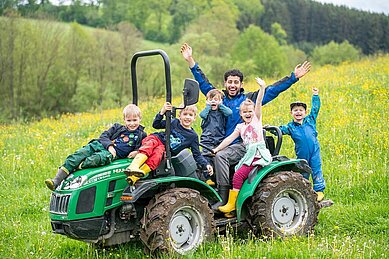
x,y
224,221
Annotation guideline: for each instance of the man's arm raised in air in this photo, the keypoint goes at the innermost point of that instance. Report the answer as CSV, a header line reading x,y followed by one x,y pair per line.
x,y
272,91
199,76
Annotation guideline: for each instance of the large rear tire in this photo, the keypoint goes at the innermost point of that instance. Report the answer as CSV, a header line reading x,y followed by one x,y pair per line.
x,y
177,221
284,204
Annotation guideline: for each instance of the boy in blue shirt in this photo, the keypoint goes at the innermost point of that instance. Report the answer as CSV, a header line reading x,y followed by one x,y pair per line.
x,y
213,125
303,132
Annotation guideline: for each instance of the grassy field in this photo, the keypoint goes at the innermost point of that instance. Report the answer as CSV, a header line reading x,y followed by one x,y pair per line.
x,y
353,132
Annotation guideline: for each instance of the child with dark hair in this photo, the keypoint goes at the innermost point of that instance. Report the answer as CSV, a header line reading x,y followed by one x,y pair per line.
x,y
304,134
213,124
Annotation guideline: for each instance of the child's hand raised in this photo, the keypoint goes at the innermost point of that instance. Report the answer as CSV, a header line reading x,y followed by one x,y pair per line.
x,y
260,82
315,91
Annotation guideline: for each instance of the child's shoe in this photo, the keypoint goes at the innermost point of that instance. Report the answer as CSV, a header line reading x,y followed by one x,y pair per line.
x,y
134,168
210,182
132,179
230,206
320,196
50,184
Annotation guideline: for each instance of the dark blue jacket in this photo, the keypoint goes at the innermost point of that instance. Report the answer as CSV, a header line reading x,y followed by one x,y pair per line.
x,y
180,138
123,140
271,92
213,125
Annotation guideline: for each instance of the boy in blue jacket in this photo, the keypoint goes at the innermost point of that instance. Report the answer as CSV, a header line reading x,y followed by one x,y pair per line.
x,y
303,132
213,125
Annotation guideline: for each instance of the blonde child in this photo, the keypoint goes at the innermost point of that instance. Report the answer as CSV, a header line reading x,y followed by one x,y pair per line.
x,y
252,135
153,146
119,141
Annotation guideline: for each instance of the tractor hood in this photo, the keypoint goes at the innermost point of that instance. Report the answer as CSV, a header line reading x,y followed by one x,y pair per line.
x,y
90,192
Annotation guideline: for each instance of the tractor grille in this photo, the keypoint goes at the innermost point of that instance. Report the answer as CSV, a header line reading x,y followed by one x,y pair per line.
x,y
59,203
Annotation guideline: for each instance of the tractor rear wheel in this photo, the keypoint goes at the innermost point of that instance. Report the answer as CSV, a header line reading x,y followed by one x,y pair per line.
x,y
284,204
177,221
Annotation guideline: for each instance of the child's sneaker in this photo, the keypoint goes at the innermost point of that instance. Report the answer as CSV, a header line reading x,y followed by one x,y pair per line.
x,y
320,196
210,182
50,184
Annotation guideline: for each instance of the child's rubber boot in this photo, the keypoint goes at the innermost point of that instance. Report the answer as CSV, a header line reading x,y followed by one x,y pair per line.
x,y
210,182
231,204
134,168
132,179
320,196
52,184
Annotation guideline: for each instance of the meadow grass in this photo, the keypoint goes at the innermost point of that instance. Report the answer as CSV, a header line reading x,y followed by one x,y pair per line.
x,y
353,133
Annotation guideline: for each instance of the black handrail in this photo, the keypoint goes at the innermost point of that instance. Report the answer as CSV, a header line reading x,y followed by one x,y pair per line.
x,y
277,132
168,90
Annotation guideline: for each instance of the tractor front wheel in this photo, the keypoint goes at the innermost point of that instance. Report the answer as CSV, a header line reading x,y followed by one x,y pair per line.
x,y
284,204
177,221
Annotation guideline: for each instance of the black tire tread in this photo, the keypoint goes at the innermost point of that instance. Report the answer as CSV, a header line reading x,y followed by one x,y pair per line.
x,y
155,222
262,199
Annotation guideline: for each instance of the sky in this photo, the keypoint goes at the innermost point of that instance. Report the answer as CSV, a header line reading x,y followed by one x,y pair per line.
x,y
377,6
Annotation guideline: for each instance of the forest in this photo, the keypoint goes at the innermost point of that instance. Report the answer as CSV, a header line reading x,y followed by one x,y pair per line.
x,y
57,59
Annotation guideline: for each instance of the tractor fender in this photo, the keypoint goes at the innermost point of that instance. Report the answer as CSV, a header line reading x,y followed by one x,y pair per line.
x,y
256,176
132,193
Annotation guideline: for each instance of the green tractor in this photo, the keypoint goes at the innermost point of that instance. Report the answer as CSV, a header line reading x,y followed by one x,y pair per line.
x,y
170,210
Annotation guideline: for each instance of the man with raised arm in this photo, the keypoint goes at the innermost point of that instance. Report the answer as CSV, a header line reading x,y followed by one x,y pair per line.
x,y
234,96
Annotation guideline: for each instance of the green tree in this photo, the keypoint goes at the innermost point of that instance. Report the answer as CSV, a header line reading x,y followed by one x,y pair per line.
x,y
279,33
250,12
294,55
334,53
219,21
183,13
259,54
156,26
116,11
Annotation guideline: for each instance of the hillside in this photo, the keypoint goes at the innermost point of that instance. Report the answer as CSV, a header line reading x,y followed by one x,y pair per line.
x,y
82,64
353,130
304,21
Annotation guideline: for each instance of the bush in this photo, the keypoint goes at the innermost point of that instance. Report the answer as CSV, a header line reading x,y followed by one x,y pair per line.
x,y
334,53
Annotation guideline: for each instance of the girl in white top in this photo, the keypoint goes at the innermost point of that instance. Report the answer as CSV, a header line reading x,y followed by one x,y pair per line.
x,y
252,135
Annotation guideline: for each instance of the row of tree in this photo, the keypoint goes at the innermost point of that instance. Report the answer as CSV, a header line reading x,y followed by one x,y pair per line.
x,y
306,23
309,24
48,68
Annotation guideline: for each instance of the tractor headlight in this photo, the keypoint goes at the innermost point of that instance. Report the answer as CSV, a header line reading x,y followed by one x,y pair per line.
x,y
75,183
